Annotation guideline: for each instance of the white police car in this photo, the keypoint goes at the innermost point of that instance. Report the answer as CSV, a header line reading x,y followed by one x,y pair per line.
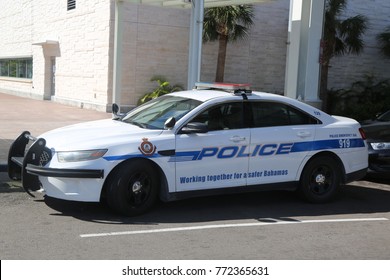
x,y
217,138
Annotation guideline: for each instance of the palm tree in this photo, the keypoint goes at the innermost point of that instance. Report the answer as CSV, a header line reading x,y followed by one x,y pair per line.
x,y
341,36
225,24
384,41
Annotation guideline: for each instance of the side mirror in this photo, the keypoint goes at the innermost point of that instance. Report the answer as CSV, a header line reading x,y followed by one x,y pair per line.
x,y
194,127
115,112
170,123
115,108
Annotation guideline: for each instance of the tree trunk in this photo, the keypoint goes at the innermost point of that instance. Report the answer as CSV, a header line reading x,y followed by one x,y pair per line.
x,y
223,39
324,86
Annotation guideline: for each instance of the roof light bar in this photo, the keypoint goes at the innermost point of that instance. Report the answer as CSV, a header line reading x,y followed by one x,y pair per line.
x,y
237,89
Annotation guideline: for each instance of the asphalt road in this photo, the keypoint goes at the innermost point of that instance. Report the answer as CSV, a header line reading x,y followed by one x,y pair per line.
x,y
267,225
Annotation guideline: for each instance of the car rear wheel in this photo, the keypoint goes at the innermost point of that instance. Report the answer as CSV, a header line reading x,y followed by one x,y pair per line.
x,y
320,179
132,188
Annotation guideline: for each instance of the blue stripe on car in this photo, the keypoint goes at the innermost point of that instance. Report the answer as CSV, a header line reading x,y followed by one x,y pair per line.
x,y
273,149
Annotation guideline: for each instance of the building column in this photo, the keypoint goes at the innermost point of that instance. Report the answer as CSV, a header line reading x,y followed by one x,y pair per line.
x,y
117,64
303,51
50,50
195,43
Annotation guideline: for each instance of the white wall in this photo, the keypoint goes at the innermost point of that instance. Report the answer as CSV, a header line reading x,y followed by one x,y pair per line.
x,y
82,52
15,40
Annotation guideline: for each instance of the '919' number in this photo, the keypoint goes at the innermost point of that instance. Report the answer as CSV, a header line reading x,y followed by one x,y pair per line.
x,y
344,143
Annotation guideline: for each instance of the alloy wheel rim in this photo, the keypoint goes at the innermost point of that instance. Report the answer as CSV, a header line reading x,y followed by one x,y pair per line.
x,y
321,180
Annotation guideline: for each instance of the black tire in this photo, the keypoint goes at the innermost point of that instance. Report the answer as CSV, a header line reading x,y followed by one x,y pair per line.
x,y
132,188
320,179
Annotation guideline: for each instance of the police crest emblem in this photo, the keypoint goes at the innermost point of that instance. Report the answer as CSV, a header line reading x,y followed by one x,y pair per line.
x,y
147,148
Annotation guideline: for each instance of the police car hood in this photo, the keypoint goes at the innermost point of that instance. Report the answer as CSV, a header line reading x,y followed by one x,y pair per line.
x,y
95,134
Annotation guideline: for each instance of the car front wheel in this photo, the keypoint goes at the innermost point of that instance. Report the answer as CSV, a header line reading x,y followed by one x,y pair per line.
x,y
132,188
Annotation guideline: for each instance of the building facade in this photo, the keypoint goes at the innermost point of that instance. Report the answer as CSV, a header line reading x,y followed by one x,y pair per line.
x,y
63,50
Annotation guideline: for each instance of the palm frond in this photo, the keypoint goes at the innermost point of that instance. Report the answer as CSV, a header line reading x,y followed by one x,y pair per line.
x,y
343,36
340,47
335,7
351,31
231,21
384,41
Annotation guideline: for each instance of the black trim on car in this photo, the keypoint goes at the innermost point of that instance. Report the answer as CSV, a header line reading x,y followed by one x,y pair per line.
x,y
65,173
354,176
283,186
27,164
167,153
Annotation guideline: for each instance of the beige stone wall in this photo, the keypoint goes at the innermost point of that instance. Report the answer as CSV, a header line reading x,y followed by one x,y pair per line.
x,y
156,43
350,68
161,40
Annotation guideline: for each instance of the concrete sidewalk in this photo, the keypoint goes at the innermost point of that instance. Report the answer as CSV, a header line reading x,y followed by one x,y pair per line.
x,y
18,114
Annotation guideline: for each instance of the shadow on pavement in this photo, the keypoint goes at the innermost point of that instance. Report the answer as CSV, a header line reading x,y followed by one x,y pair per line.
x,y
352,199
10,188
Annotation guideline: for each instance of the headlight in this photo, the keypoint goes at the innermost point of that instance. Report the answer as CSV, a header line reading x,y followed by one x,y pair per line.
x,y
380,146
80,155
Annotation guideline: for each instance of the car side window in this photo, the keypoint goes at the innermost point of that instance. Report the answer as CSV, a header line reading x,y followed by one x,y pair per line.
x,y
222,116
267,114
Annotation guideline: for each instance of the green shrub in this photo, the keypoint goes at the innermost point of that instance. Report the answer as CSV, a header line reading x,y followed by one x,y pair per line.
x,y
363,100
163,87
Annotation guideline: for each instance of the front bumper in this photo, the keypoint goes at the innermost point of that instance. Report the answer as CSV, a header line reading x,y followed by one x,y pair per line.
x,y
28,164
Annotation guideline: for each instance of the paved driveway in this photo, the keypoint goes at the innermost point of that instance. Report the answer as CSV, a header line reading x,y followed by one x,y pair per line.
x,y
269,225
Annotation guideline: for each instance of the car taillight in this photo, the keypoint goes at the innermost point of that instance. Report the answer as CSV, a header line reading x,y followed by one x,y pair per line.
x,y
362,133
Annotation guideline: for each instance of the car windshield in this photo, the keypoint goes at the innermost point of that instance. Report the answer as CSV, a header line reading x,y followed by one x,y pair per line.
x,y
155,113
384,117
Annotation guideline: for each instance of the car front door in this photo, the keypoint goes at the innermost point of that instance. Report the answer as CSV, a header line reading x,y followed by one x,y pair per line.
x,y
216,158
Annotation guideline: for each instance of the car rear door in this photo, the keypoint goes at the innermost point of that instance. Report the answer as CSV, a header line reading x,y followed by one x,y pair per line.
x,y
281,136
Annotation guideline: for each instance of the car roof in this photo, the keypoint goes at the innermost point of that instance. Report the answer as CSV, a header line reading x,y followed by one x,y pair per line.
x,y
204,95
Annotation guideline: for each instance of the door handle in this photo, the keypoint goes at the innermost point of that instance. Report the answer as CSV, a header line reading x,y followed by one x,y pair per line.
x,y
237,138
304,134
